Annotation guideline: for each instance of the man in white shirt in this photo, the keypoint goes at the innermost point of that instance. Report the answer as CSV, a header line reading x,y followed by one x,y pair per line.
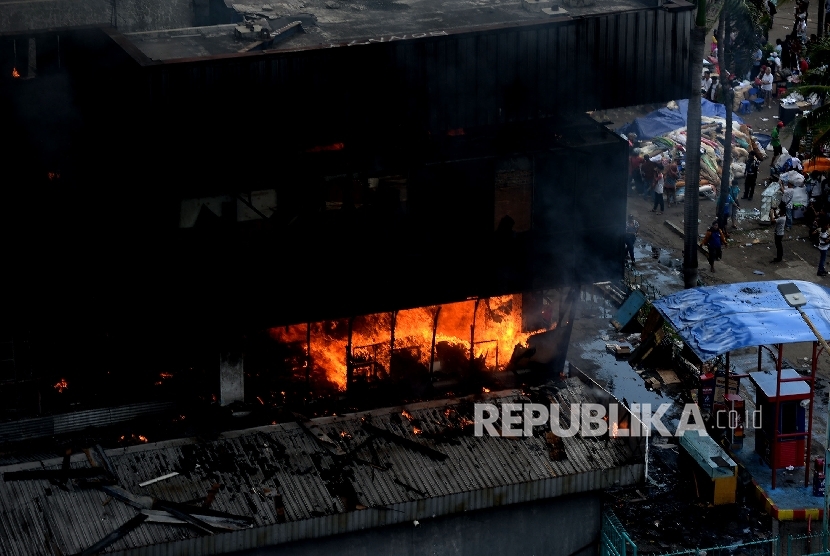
x,y
766,85
706,82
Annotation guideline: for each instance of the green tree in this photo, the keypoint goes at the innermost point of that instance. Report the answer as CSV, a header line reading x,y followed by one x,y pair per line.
x,y
817,122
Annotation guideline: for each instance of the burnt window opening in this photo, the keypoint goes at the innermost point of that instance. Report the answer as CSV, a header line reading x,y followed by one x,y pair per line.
x,y
382,194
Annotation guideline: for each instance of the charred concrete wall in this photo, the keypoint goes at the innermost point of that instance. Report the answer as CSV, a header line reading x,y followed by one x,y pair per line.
x,y
568,525
126,15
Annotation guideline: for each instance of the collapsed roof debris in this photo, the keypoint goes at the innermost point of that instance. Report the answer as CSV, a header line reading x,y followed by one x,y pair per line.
x,y
272,479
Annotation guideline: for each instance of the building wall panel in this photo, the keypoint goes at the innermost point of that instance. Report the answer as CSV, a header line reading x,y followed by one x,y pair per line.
x,y
638,62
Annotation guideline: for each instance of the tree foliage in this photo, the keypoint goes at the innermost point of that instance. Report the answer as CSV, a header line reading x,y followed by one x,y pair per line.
x,y
816,80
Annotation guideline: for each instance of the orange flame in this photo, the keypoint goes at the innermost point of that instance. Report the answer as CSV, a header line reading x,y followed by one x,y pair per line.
x,y
61,385
142,438
406,414
322,148
416,430
15,73
498,329
166,375
485,390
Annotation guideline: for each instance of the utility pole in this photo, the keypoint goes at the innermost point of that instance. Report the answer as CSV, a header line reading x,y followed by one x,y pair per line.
x,y
796,299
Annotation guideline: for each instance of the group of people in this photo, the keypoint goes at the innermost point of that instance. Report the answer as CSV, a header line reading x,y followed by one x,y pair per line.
x,y
653,177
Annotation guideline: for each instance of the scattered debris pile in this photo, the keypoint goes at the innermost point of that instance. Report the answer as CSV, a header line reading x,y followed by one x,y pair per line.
x,y
664,515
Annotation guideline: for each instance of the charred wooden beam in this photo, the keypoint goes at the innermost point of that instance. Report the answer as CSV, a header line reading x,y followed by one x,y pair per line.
x,y
405,442
409,487
117,534
188,518
57,474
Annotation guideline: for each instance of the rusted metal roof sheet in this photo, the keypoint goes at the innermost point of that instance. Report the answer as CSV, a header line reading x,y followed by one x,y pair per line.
x,y
292,485
62,423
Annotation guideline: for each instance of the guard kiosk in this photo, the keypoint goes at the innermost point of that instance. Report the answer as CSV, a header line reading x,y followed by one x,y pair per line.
x,y
782,439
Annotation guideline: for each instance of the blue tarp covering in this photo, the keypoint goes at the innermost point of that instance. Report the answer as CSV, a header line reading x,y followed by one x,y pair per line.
x,y
664,120
718,319
763,139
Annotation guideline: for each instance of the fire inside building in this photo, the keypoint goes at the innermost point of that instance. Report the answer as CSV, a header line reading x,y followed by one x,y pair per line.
x,y
294,213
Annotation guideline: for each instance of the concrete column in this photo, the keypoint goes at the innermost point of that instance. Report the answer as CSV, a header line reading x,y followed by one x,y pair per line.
x,y
231,378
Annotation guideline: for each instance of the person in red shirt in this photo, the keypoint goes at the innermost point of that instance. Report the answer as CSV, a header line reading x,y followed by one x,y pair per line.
x,y
803,65
635,177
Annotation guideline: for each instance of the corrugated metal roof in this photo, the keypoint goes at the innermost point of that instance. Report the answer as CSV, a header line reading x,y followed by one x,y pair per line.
x,y
294,487
39,427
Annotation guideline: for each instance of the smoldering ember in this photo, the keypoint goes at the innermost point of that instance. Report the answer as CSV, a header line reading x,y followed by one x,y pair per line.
x,y
425,277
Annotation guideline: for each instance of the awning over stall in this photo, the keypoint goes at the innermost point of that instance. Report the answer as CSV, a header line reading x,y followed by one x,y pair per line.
x,y
717,319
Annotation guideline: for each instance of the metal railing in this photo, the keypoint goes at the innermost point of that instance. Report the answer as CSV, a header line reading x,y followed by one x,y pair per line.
x,y
615,541
635,280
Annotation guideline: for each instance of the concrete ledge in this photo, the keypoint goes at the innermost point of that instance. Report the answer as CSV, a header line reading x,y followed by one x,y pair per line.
x,y
674,227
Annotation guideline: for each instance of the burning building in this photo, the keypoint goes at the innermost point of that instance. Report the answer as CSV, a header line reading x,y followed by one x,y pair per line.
x,y
195,188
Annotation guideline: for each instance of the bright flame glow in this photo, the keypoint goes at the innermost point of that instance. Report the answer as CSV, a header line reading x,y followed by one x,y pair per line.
x,y
15,73
61,385
498,329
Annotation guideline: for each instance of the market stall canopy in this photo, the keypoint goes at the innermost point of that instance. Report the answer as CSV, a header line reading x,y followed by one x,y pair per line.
x,y
817,164
717,319
665,120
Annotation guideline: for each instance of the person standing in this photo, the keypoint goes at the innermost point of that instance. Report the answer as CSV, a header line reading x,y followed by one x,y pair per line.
x,y
632,230
714,240
757,57
733,195
823,245
766,85
776,143
787,201
635,176
752,165
648,170
714,91
780,219
724,210
706,83
672,174
659,184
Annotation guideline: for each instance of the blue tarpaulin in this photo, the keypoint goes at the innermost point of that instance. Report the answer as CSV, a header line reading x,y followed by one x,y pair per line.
x,y
718,319
664,120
